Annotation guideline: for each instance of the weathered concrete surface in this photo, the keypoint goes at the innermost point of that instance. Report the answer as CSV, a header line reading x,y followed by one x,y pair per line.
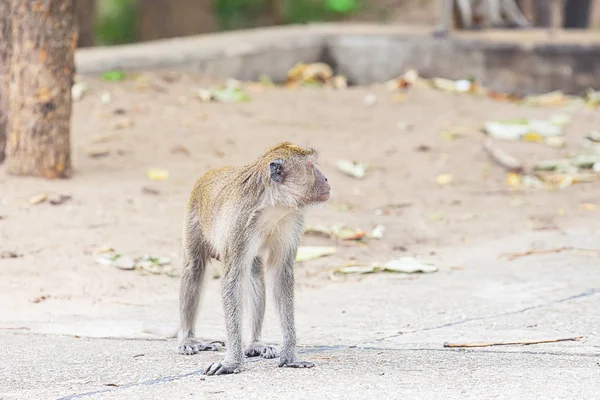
x,y
515,61
381,337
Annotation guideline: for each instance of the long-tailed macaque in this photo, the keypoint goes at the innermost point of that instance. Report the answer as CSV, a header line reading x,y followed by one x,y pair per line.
x,y
251,219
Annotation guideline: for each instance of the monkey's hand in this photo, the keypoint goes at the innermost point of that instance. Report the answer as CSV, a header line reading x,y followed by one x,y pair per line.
x,y
223,369
257,349
191,346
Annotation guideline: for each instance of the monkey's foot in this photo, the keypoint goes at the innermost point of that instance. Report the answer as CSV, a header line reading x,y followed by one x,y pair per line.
x,y
296,364
222,369
257,349
191,346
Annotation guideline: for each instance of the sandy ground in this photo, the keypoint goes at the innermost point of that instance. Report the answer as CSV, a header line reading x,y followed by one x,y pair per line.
x,y
171,129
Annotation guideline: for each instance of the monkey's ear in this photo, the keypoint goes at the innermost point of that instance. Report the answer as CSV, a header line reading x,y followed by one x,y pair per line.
x,y
277,171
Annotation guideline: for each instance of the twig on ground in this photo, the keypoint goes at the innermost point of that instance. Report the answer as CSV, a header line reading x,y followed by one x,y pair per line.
x,y
501,158
514,256
524,342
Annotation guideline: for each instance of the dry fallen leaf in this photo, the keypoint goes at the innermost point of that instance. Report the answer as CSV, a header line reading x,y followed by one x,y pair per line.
x,y
151,191
9,254
58,199
98,152
123,123
78,90
39,299
400,97
588,207
409,265
352,168
444,179
38,198
180,149
513,179
157,174
306,253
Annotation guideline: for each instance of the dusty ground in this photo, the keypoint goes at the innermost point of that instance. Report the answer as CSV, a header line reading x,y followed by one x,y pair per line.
x,y
109,206
402,141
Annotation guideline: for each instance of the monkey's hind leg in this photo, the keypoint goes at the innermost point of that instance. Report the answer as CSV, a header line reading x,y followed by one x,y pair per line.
x,y
194,268
257,299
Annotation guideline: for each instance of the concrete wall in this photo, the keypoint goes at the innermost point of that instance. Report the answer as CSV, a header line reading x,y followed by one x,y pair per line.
x,y
529,62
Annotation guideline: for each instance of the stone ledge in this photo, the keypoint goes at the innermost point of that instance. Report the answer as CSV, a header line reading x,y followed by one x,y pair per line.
x,y
513,61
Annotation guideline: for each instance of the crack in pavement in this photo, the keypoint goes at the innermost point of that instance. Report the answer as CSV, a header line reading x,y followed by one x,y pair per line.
x,y
587,293
313,349
317,349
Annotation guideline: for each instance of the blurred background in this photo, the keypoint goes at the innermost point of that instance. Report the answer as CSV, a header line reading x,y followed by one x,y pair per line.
x,y
110,22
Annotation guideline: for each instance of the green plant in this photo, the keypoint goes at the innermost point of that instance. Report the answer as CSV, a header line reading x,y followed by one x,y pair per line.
x,y
115,21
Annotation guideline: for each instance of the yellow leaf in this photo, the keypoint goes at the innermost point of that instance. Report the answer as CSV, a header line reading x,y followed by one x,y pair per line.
x,y
400,97
436,216
443,179
513,179
157,174
306,253
447,135
588,207
38,198
533,137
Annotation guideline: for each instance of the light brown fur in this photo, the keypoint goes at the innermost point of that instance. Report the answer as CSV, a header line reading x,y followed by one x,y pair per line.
x,y
249,217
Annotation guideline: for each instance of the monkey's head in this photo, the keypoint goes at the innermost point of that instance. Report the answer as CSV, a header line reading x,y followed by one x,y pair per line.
x,y
294,178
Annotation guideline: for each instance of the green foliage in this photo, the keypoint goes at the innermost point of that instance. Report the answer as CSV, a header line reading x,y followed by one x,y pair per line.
x,y
302,11
341,6
115,21
239,14
115,75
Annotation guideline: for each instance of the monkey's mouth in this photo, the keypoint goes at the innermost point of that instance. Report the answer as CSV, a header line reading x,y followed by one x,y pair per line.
x,y
324,196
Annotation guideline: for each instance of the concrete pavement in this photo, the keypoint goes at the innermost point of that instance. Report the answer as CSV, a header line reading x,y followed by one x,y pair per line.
x,y
378,337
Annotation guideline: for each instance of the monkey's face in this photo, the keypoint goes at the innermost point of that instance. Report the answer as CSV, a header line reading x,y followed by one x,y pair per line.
x,y
299,181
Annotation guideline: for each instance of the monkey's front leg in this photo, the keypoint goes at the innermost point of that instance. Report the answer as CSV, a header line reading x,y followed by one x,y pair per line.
x,y
257,312
283,285
232,307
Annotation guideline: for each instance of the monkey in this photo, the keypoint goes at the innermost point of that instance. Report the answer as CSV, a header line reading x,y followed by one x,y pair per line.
x,y
250,218
473,14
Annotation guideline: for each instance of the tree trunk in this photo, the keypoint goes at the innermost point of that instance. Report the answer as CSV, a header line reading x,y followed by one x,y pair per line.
x,y
85,10
42,68
5,52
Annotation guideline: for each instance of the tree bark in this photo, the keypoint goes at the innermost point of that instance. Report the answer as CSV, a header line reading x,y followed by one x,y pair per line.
x,y
85,10
42,69
5,54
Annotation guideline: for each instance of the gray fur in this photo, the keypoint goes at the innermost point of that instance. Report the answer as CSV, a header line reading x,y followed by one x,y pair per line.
x,y
242,216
